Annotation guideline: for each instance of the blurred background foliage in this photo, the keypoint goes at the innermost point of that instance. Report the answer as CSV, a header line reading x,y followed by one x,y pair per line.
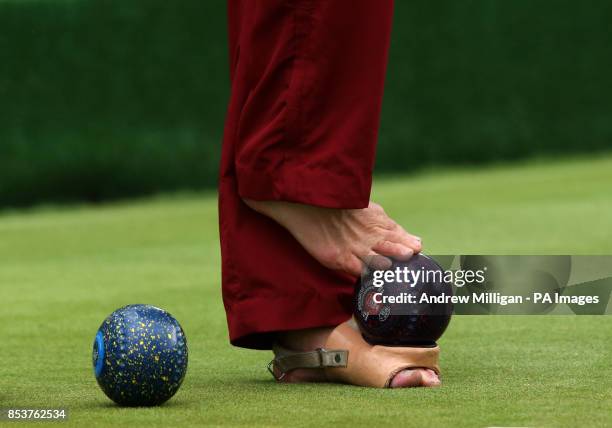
x,y
103,99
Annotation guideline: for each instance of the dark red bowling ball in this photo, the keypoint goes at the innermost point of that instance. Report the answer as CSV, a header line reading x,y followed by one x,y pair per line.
x,y
399,306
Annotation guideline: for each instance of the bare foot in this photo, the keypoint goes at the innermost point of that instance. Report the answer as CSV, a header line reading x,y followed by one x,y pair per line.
x,y
307,340
343,239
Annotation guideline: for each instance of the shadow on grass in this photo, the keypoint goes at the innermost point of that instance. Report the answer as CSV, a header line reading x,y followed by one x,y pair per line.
x,y
110,406
271,383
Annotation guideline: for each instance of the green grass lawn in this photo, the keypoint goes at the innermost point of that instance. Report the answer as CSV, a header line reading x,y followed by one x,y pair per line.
x,y
62,271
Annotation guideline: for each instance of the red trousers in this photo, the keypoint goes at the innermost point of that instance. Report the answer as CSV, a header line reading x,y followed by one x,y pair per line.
x,y
307,80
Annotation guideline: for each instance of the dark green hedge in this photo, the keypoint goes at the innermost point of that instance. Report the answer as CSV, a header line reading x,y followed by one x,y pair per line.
x,y
481,80
106,98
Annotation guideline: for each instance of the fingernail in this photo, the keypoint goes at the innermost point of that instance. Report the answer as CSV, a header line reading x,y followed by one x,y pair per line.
x,y
407,251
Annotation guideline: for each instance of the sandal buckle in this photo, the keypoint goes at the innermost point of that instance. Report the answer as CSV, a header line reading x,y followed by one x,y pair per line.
x,y
271,370
333,357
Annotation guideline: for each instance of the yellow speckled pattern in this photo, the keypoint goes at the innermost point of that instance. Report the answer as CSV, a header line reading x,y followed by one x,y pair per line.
x,y
140,356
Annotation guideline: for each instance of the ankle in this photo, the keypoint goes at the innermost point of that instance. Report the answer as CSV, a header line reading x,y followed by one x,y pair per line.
x,y
271,209
284,213
305,340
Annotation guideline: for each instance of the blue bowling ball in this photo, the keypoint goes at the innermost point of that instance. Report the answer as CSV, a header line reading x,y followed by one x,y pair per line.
x,y
140,356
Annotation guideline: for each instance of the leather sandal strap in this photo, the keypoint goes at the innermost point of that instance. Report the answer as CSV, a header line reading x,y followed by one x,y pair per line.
x,y
286,360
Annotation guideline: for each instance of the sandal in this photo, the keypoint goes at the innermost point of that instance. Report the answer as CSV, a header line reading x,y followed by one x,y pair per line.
x,y
348,358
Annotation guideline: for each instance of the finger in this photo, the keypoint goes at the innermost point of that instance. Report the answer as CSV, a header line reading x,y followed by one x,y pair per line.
x,y
393,249
376,261
400,236
353,265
